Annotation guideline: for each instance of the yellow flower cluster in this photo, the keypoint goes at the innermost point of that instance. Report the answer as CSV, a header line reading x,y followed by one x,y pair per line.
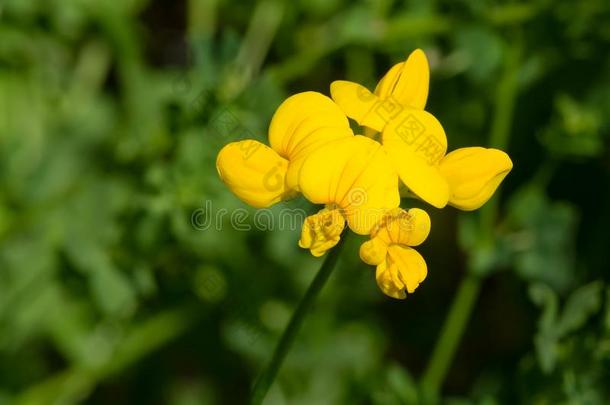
x,y
357,178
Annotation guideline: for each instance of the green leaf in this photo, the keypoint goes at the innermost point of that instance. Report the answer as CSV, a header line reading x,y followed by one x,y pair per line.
x,y
580,306
542,238
545,339
402,384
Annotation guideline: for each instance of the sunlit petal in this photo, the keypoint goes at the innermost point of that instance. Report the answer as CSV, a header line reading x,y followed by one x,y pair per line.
x,y
322,231
254,172
474,174
301,115
354,174
415,142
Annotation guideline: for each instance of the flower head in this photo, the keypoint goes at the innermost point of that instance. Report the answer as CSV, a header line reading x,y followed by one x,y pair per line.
x,y
400,268
322,231
413,139
261,175
313,151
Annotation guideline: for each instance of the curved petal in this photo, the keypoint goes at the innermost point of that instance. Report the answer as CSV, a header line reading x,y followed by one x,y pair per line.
x,y
354,174
322,231
409,264
388,282
411,88
415,142
373,251
405,85
361,105
301,115
410,228
386,85
403,269
316,139
253,172
473,175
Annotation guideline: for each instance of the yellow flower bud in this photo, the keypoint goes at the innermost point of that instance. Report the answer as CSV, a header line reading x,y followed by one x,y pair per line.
x,y
322,231
254,172
402,271
400,268
473,175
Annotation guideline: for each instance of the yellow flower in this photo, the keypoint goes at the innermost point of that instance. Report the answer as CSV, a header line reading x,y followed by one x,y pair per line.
x,y
261,175
413,139
473,175
400,268
354,180
322,231
314,151
254,172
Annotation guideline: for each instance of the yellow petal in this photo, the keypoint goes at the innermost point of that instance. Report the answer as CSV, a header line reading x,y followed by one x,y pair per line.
x,y
316,138
409,264
403,269
415,142
405,85
373,251
473,175
386,85
410,228
322,231
411,89
354,174
253,172
358,103
383,91
301,115
388,282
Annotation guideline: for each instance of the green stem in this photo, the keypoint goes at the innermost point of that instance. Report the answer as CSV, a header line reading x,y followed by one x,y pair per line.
x,y
468,292
266,378
454,327
263,26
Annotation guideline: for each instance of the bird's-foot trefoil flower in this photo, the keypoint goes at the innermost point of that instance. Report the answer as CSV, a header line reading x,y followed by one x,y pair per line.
x,y
400,268
322,231
261,175
314,151
354,180
413,139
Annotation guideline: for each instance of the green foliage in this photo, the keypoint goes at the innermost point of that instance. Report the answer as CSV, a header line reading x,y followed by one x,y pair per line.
x,y
542,238
571,347
113,289
552,327
576,130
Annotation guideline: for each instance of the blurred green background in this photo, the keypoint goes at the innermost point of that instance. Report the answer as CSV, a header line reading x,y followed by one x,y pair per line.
x,y
111,291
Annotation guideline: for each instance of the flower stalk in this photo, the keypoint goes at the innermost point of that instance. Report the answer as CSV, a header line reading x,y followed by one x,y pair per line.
x,y
266,378
453,329
468,292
